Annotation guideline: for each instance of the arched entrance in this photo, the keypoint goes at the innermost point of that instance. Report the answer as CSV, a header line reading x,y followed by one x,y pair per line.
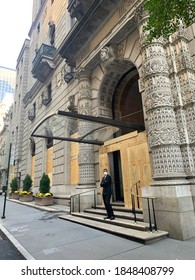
x,y
127,106
126,155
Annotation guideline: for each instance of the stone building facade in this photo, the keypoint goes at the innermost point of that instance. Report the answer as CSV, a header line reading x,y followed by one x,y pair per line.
x,y
89,58
4,151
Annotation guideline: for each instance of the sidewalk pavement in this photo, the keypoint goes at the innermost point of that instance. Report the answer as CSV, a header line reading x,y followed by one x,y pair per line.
x,y
39,234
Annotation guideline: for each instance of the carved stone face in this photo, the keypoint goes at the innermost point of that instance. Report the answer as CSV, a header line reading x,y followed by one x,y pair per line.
x,y
104,53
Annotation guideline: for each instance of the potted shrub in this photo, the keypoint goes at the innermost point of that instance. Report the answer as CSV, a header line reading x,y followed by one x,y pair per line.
x,y
26,194
14,193
44,197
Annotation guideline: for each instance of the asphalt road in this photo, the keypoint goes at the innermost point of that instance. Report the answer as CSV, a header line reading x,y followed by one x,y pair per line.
x,y
7,250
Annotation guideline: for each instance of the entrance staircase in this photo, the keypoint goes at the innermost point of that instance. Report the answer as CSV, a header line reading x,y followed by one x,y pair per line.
x,y
125,225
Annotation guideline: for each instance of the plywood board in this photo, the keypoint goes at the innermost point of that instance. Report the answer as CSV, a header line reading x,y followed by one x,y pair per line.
x,y
49,166
33,169
135,161
74,164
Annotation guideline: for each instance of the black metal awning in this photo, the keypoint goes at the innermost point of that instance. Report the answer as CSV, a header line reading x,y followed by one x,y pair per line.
x,y
66,126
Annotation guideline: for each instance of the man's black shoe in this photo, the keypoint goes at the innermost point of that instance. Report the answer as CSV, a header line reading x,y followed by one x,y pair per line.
x,y
105,218
112,218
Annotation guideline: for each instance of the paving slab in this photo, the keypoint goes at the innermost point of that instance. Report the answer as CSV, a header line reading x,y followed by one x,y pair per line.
x,y
41,235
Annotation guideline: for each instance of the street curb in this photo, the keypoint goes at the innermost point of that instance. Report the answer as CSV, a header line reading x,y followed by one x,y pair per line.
x,y
43,208
18,246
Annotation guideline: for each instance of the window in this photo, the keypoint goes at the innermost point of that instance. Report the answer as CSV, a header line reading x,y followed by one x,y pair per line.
x,y
49,91
32,146
32,112
19,101
34,108
46,95
49,139
52,32
38,28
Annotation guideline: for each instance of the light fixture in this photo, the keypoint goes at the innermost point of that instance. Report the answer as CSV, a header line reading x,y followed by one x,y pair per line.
x,y
68,76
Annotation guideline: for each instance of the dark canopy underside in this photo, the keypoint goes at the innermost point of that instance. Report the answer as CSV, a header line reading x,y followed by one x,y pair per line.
x,y
66,126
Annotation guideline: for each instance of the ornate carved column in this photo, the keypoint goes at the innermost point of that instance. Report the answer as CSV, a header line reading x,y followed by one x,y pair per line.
x,y
86,151
183,88
182,77
174,205
164,140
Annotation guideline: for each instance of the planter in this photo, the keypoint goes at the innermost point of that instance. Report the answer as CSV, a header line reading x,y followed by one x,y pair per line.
x,y
44,201
26,197
14,195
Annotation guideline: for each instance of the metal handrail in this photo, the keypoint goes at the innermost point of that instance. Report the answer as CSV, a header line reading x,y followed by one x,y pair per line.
x,y
136,185
148,198
72,198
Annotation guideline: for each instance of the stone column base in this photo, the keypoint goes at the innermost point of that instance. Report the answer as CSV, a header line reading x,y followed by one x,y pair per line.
x,y
192,184
174,210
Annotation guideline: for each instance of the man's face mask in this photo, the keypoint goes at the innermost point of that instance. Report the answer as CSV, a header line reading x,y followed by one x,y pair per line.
x,y
105,173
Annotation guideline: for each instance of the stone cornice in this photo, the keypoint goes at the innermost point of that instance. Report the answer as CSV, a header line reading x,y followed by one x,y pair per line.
x,y
86,28
113,29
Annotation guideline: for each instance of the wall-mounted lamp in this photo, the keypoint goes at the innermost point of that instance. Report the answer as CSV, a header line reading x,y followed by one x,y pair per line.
x,y
68,76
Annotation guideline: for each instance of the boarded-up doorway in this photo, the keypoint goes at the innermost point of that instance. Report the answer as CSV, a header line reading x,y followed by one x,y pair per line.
x,y
134,162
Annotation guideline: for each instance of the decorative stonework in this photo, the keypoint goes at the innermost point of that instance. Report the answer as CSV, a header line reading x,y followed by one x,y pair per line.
x,y
183,86
86,151
158,99
109,55
60,77
187,158
163,134
167,162
44,15
167,136
113,66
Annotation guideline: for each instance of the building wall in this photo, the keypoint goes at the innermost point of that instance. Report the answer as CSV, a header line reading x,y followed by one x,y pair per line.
x,y
17,126
166,85
4,150
58,14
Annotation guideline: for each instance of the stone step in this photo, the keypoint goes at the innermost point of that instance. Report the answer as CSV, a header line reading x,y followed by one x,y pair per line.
x,y
118,214
145,237
120,208
128,223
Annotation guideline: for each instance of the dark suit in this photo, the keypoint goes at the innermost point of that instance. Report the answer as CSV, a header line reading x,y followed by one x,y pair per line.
x,y
106,184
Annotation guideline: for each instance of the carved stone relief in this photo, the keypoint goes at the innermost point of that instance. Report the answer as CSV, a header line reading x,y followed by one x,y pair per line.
x,y
86,151
168,162
163,134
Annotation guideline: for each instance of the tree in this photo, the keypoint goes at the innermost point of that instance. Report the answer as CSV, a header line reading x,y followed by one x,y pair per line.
x,y
14,185
165,16
27,183
44,186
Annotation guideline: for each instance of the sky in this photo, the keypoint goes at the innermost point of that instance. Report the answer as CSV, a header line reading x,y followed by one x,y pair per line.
x,y
15,23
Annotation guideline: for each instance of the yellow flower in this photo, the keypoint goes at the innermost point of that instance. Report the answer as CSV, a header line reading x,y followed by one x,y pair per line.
x,y
47,194
39,194
25,192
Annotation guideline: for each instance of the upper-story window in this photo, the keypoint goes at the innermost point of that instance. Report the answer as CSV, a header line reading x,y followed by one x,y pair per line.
x,y
38,28
49,139
34,108
19,101
47,95
49,90
52,1
32,146
52,32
